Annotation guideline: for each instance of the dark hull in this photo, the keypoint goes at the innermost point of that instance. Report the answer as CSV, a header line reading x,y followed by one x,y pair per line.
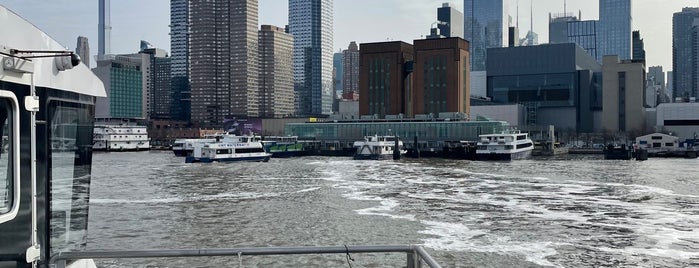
x,y
191,159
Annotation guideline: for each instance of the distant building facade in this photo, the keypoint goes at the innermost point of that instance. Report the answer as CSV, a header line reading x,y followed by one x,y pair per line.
x,y
83,50
180,106
441,76
451,21
486,25
276,72
624,95
338,74
614,30
223,60
559,84
558,28
685,53
639,50
123,82
156,66
311,24
350,72
385,81
584,34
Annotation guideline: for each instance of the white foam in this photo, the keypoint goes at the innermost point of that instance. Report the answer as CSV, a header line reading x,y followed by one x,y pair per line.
x,y
308,190
192,198
386,206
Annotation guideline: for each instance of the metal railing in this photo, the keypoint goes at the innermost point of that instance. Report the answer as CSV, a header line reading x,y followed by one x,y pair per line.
x,y
416,255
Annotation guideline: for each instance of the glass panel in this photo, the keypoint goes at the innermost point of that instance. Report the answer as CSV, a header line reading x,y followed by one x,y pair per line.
x,y
70,136
6,179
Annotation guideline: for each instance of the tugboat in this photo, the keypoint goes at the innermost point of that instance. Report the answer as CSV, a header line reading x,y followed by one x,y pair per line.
x,y
505,146
379,148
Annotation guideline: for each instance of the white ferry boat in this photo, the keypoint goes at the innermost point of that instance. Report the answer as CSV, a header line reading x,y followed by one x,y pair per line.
x,y
379,148
185,147
120,137
504,146
229,148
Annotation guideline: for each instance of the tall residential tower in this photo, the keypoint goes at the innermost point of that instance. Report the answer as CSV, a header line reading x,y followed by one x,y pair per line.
x,y
685,53
276,72
223,60
180,108
311,24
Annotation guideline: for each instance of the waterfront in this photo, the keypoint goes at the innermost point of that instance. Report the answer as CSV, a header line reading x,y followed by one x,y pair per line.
x,y
572,211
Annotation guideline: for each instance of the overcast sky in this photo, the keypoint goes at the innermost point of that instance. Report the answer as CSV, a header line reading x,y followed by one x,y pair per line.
x,y
355,20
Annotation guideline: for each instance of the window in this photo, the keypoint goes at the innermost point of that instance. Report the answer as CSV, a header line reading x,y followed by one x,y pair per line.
x,y
669,144
9,155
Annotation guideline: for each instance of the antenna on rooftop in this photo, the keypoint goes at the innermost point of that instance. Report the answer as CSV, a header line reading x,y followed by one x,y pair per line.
x,y
565,7
517,14
531,14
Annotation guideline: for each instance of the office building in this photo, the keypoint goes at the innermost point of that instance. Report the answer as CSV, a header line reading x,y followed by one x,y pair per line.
x,y
685,53
180,108
385,82
311,24
451,21
624,96
614,32
558,28
223,60
104,29
338,74
350,75
276,72
123,81
584,34
83,50
559,84
156,71
639,51
486,25
441,77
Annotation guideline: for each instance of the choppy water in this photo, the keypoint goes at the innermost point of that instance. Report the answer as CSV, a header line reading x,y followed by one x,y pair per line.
x,y
564,212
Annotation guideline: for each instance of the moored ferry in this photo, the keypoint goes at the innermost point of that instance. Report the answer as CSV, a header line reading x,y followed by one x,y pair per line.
x,y
378,148
504,146
230,148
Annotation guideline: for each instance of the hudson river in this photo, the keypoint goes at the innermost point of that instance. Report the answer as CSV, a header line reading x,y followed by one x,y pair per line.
x,y
547,212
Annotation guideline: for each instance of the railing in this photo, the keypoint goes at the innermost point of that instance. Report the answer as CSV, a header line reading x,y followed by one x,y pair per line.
x,y
416,255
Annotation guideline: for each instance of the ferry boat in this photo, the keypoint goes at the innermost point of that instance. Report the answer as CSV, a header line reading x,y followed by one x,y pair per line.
x,y
44,189
379,148
230,148
504,146
120,137
185,147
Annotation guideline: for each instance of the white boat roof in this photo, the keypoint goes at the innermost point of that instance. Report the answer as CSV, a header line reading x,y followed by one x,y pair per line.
x,y
18,33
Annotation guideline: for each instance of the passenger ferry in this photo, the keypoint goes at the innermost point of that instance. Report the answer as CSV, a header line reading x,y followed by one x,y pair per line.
x,y
504,146
185,147
120,137
230,148
44,189
379,148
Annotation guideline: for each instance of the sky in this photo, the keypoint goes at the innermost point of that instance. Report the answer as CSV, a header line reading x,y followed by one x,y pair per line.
x,y
355,20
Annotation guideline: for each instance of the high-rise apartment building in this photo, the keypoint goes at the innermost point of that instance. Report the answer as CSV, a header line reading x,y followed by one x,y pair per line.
x,y
223,60
276,72
685,53
83,50
350,67
614,31
180,108
639,51
156,69
104,28
451,21
311,24
486,25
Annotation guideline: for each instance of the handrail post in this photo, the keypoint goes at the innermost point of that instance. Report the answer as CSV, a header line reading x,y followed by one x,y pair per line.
x,y
414,260
61,263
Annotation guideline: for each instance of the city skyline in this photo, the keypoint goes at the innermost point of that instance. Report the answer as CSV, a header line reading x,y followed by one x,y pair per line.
x,y
652,17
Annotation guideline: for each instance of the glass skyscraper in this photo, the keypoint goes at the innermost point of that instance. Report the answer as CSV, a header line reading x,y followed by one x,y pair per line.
x,y
685,53
452,21
584,34
485,26
614,29
179,45
311,24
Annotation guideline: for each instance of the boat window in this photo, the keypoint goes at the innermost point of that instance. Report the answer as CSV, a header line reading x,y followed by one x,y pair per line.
x,y
69,175
521,137
9,172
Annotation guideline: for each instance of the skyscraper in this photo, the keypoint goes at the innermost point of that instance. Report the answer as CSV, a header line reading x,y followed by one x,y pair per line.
x,y
614,31
350,66
223,60
451,21
83,50
156,76
180,108
584,34
486,25
311,24
685,50
104,29
276,72
639,51
558,28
